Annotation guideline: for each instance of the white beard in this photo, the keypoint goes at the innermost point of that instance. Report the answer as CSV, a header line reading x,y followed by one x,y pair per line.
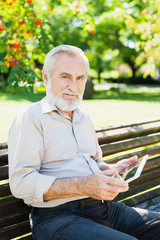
x,y
64,104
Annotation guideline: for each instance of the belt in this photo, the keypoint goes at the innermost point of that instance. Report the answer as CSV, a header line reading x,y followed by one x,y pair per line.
x,y
77,204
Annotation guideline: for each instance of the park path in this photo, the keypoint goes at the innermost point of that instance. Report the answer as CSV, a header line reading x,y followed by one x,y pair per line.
x,y
144,88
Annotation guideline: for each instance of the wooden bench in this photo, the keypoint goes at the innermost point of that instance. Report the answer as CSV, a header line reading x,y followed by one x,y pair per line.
x,y
117,142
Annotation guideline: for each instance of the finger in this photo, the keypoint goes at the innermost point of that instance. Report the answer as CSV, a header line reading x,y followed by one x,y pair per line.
x,y
115,181
109,172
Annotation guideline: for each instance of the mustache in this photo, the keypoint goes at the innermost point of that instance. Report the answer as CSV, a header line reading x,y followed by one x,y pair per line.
x,y
67,91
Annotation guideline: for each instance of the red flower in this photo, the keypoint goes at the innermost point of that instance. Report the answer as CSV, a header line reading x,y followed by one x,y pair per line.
x,y
19,51
22,22
25,54
16,45
29,1
13,63
2,29
92,31
77,11
38,22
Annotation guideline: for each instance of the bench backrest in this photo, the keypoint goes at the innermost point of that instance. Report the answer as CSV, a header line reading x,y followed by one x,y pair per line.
x,y
117,142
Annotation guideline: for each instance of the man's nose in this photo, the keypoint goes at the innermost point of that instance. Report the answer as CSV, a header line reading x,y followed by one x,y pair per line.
x,y
73,86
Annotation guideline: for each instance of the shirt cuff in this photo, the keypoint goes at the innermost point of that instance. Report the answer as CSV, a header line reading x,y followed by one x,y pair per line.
x,y
42,185
100,163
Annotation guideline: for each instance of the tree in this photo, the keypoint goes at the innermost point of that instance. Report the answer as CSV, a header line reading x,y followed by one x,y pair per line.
x,y
110,32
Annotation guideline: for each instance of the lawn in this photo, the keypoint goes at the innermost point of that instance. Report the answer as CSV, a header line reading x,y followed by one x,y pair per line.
x,y
108,107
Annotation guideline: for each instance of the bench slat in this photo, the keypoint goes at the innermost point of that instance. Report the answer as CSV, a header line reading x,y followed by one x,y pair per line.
x,y
118,134
15,231
5,190
127,125
3,145
14,218
140,199
111,148
151,152
4,172
11,203
3,157
133,190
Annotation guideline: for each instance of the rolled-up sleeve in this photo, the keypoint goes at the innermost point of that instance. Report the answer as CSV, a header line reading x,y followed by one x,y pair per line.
x,y
25,151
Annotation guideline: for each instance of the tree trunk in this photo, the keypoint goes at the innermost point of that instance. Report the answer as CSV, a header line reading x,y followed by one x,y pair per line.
x,y
99,74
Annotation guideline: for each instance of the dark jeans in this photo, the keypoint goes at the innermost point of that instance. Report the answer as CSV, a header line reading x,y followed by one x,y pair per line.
x,y
94,220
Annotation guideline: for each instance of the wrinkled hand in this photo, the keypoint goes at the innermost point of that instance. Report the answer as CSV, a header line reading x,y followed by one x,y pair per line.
x,y
102,185
126,165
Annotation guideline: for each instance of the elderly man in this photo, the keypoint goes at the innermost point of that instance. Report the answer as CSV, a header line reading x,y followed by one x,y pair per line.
x,y
55,164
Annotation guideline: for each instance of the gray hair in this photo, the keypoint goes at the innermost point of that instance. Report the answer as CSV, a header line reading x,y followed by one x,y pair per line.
x,y
54,53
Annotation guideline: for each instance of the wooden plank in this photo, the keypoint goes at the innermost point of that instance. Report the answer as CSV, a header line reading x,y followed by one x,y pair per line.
x,y
3,157
127,125
152,163
10,204
5,190
27,237
3,172
135,189
147,176
3,145
140,199
15,231
119,134
20,215
151,152
111,148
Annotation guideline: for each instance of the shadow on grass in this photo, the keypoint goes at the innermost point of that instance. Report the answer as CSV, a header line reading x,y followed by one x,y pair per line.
x,y
19,96
112,94
127,94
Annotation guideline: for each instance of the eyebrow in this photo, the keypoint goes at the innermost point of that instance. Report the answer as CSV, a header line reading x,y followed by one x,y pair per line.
x,y
65,73
68,74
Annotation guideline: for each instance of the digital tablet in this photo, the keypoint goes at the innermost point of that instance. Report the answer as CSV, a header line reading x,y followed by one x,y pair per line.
x,y
135,172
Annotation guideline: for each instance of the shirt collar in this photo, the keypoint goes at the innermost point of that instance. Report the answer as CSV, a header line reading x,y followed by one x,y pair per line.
x,y
48,107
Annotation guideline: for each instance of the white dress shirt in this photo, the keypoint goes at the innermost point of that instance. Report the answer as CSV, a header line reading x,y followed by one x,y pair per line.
x,y
45,144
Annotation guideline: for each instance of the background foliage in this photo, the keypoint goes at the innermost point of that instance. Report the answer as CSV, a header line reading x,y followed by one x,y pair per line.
x,y
115,35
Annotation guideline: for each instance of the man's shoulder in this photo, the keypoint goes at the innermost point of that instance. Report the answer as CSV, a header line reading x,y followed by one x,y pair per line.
x,y
32,109
32,112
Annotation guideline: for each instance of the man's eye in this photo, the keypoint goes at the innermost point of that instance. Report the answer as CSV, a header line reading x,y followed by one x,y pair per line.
x,y
65,77
80,78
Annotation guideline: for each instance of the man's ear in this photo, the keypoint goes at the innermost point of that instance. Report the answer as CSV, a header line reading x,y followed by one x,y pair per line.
x,y
45,78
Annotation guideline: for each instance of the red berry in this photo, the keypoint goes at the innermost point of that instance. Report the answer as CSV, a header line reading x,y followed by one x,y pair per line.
x,y
25,54
2,29
92,31
22,22
38,22
13,63
16,45
29,1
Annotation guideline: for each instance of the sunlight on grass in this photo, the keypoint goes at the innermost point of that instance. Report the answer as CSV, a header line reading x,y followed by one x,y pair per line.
x,y
105,109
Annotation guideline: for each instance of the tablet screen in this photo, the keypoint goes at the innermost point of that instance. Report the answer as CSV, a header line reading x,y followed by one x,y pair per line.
x,y
135,172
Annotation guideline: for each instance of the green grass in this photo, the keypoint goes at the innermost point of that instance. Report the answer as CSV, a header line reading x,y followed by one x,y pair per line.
x,y
106,108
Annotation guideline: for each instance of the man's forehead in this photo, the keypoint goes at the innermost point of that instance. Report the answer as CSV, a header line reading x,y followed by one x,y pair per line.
x,y
66,63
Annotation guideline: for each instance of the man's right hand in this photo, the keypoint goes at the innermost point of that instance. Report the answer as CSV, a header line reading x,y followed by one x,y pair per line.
x,y
102,185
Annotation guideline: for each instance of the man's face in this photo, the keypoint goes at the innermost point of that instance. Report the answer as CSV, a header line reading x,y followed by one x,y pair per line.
x,y
68,81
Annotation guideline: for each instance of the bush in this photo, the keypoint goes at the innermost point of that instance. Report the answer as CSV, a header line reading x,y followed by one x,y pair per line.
x,y
135,80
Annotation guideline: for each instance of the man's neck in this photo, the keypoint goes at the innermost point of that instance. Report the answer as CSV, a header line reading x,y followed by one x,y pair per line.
x,y
69,113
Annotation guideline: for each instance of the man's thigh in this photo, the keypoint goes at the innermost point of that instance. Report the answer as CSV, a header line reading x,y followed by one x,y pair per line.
x,y
141,223
73,227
